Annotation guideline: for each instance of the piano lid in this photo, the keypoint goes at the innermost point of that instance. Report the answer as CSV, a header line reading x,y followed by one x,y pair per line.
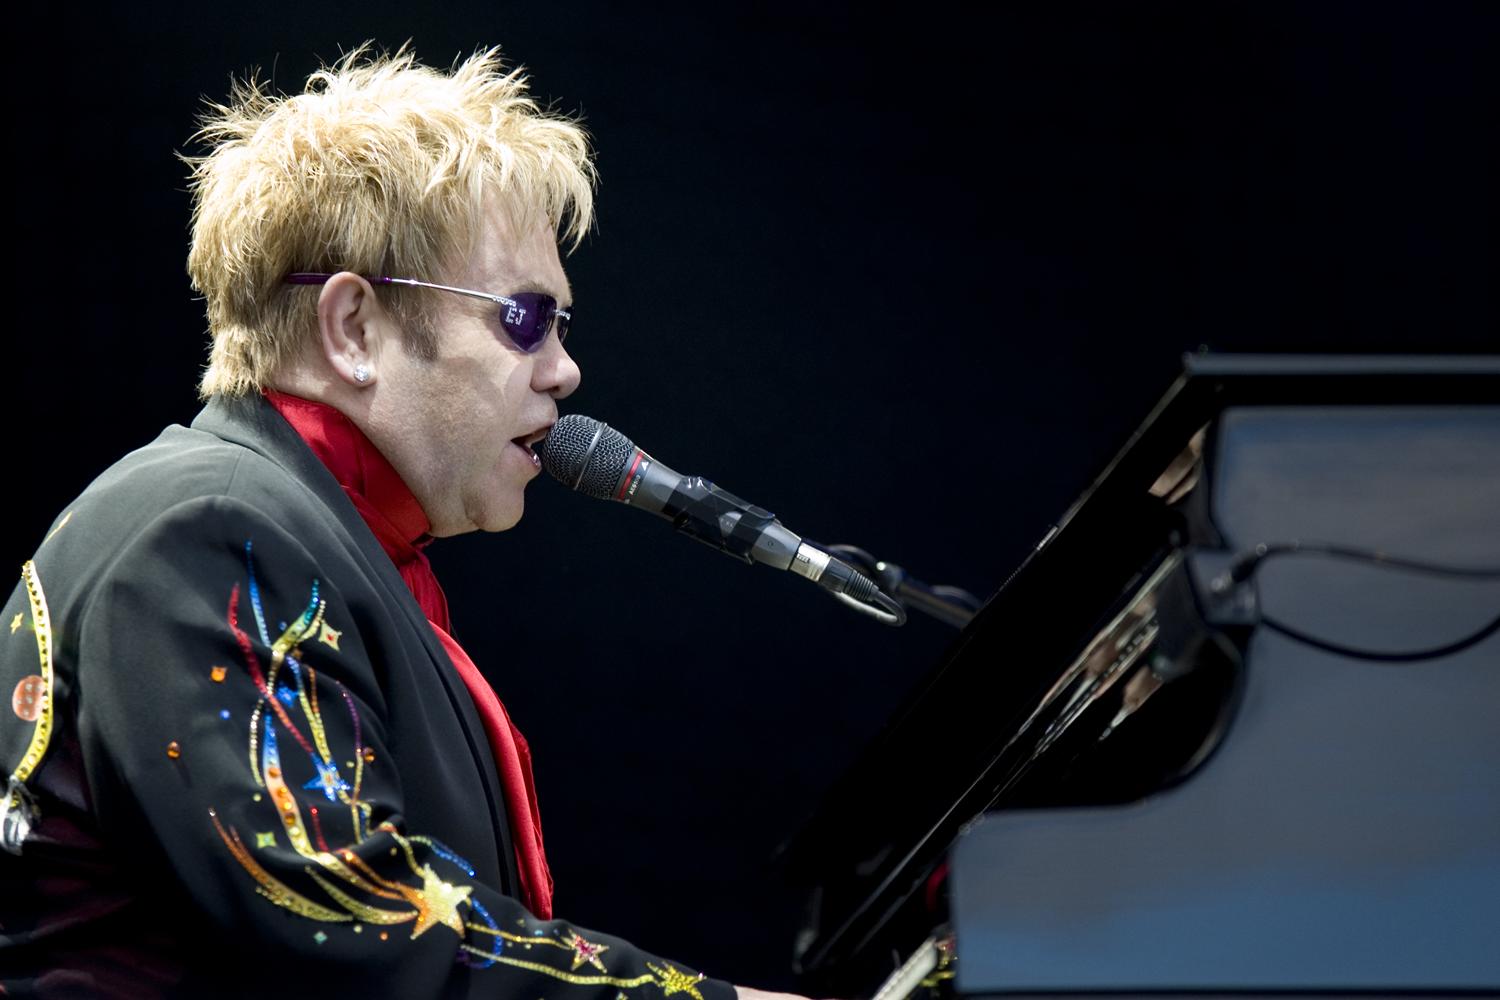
x,y
887,824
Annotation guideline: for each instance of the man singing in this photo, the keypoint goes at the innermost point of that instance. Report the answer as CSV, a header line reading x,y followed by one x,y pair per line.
x,y
245,753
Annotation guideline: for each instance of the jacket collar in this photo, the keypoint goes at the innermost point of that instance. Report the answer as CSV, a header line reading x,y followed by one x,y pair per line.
x,y
252,422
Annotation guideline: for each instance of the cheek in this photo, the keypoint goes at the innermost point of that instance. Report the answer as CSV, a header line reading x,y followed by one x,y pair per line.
x,y
506,397
479,413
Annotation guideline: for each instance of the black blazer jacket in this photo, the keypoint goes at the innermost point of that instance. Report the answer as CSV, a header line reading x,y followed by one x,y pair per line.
x,y
241,763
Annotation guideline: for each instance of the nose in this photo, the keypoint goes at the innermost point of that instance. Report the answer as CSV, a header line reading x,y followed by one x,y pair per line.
x,y
555,372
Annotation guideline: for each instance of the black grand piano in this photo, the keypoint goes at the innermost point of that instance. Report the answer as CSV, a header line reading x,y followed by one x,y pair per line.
x,y
1233,728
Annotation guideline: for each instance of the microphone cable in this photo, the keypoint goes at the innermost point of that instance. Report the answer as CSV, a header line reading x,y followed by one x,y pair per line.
x,y
1248,562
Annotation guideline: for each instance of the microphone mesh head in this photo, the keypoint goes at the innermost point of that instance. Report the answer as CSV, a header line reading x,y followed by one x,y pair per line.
x,y
573,456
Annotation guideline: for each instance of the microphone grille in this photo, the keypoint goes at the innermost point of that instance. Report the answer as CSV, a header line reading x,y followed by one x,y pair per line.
x,y
586,455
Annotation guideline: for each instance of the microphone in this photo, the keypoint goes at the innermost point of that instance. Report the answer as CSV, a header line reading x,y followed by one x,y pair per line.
x,y
593,458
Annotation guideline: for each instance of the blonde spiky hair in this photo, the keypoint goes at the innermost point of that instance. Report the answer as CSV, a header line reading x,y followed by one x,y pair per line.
x,y
380,166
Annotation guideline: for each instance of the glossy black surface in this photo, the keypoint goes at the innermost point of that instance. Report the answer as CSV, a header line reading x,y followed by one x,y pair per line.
x,y
954,751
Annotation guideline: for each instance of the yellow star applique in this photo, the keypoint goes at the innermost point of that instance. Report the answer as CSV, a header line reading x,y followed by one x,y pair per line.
x,y
674,980
15,622
436,902
267,839
330,636
586,951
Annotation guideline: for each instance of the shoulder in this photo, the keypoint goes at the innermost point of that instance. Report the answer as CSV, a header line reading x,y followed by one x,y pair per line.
x,y
237,447
186,506
238,457
183,468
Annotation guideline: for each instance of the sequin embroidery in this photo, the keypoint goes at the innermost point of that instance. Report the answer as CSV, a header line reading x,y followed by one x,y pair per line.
x,y
412,885
18,810
674,980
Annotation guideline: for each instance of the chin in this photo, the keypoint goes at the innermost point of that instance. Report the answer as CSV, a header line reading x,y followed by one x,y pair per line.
x,y
501,518
502,524
492,504
481,517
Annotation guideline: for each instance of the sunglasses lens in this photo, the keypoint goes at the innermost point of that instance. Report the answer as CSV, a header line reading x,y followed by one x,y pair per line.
x,y
526,320
564,320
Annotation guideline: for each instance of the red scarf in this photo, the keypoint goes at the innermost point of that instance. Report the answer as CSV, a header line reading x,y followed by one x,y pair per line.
x,y
399,524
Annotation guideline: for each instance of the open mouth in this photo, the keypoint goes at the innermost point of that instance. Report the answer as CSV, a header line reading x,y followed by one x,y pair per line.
x,y
530,442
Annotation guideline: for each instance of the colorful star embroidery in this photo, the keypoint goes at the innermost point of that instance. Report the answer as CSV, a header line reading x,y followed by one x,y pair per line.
x,y
328,781
15,622
287,695
674,980
437,903
585,951
267,839
330,636
217,674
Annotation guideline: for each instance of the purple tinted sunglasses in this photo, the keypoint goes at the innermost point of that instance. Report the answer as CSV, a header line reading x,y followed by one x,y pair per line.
x,y
526,316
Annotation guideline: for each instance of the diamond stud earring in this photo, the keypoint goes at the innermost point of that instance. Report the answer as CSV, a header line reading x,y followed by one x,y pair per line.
x,y
361,374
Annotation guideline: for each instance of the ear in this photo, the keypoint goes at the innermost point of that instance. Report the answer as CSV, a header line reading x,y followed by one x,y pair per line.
x,y
351,327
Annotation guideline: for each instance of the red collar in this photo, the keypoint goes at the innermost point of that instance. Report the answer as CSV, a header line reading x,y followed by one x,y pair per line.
x,y
398,522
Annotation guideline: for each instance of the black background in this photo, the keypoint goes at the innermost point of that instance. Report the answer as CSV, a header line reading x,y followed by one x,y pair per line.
x,y
908,280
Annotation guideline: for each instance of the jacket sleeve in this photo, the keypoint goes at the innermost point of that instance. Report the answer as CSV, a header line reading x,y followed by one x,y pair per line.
x,y
235,735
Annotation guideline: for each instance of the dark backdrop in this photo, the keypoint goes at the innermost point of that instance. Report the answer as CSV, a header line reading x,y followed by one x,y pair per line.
x,y
908,281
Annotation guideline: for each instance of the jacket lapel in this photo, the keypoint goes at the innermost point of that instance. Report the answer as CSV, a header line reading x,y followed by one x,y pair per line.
x,y
254,424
